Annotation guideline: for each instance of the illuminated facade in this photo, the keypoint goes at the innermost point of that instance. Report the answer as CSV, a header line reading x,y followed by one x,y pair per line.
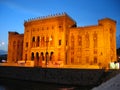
x,y
57,38
15,46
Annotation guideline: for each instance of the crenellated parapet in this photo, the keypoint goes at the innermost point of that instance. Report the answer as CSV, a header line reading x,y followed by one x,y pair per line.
x,y
45,17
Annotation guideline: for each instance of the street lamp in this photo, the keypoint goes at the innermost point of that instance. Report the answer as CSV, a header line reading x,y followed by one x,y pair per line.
x,y
47,41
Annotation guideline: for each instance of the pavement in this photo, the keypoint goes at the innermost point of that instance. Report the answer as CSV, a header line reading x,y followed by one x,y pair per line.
x,y
87,66
112,84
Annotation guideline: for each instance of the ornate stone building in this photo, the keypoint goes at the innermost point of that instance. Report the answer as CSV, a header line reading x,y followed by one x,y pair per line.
x,y
57,38
15,46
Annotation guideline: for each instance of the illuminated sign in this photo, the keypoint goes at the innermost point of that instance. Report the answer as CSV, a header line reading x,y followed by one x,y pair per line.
x,y
114,65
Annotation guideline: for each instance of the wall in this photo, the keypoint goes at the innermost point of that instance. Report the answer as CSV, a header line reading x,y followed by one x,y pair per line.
x,y
83,77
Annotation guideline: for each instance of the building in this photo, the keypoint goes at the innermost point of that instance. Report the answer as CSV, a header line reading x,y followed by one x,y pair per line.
x,y
15,46
56,38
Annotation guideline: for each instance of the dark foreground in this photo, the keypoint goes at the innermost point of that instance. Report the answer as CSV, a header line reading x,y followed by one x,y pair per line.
x,y
14,84
32,78
66,76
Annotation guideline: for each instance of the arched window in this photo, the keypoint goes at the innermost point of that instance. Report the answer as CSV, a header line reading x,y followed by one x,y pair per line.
x,y
33,41
32,56
79,40
42,41
72,42
47,57
51,40
51,56
42,55
47,40
38,41
87,40
37,56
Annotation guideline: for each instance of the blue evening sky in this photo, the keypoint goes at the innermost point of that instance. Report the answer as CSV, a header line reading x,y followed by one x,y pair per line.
x,y
84,12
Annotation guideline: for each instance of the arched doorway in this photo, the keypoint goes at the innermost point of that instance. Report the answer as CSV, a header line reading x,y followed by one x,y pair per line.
x,y
37,59
41,59
51,56
47,58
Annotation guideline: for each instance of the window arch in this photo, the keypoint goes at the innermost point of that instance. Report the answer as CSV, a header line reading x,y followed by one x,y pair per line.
x,y
32,56
47,56
42,55
37,55
33,39
51,56
38,41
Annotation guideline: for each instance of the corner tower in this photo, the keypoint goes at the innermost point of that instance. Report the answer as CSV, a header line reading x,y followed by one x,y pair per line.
x,y
15,47
109,37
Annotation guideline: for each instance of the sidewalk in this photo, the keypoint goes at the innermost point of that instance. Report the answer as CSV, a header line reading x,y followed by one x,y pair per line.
x,y
53,66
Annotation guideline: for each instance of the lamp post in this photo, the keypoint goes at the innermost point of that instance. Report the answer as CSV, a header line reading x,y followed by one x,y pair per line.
x,y
47,41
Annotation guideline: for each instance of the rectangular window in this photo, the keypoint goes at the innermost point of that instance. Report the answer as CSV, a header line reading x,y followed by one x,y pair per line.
x,y
59,42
